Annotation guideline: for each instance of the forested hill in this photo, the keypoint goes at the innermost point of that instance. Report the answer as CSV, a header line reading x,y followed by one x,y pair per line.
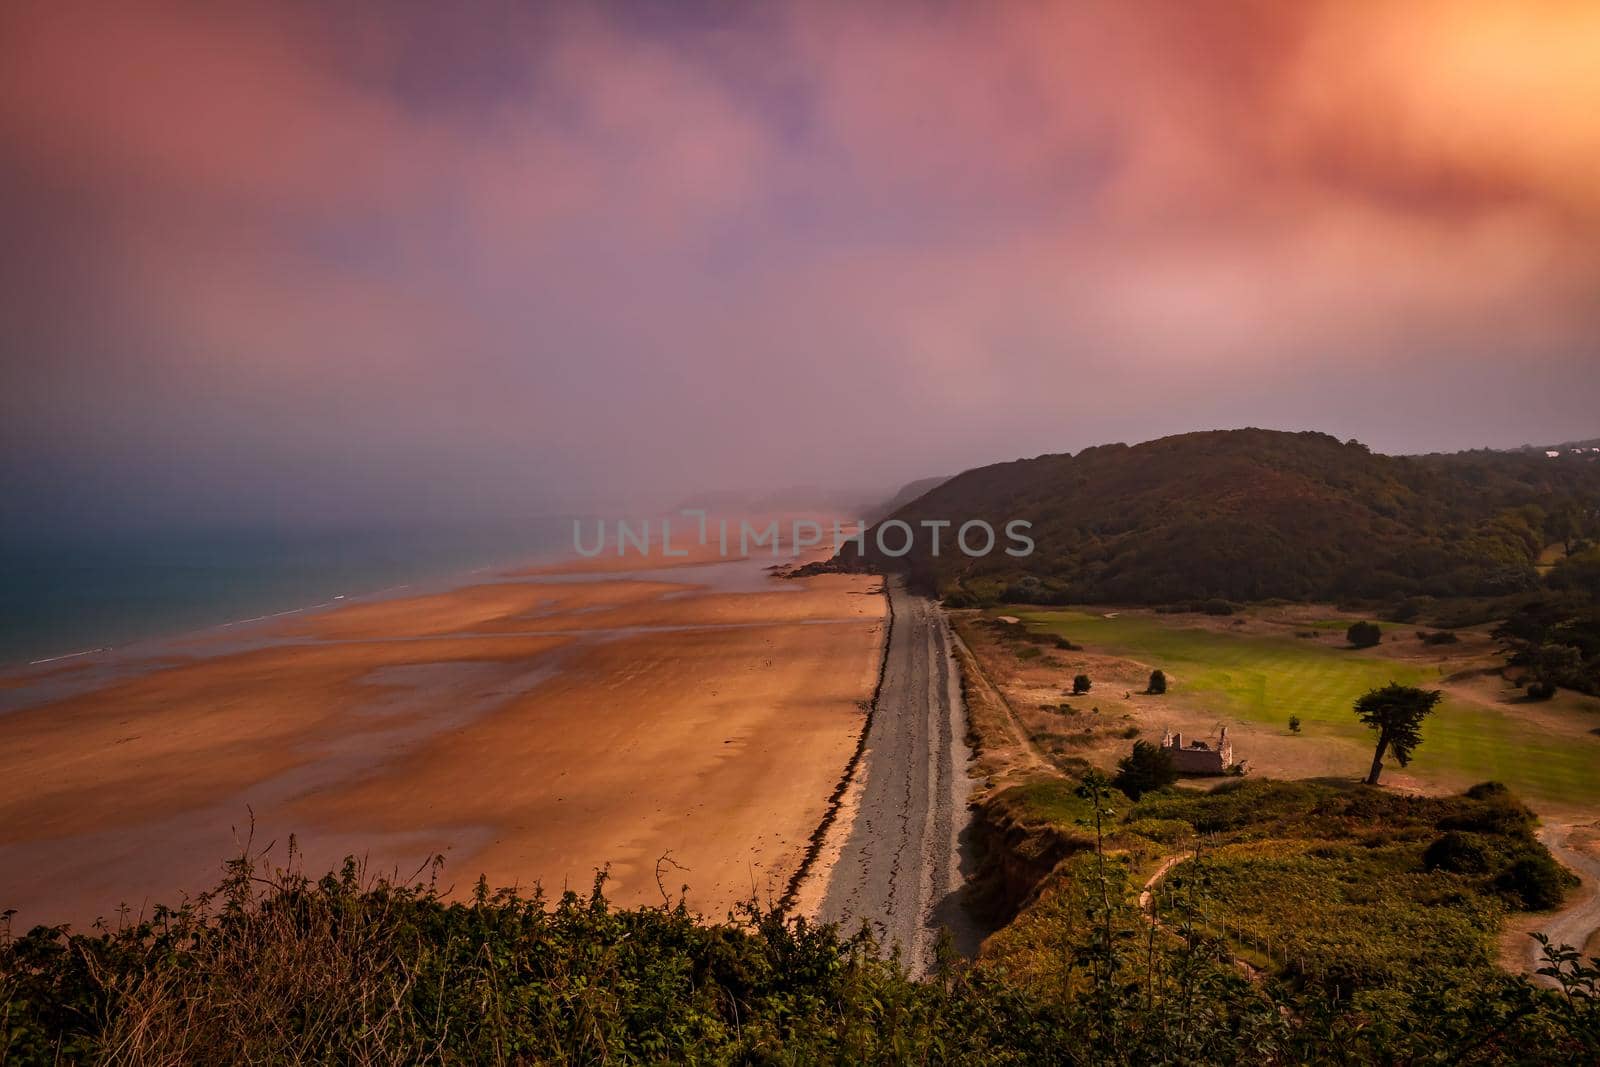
x,y
907,493
1252,514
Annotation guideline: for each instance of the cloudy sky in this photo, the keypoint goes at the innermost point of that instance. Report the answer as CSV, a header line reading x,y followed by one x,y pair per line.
x,y
316,258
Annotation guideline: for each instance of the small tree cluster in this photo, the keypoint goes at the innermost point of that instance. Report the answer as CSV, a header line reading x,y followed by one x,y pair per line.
x,y
1148,768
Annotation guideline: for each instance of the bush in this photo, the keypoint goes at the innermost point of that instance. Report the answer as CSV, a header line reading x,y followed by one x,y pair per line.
x,y
1459,853
1491,791
1158,683
1030,590
1364,634
1081,685
1533,882
343,969
959,598
1214,606
1491,809
1442,637
1407,610
1147,769
1541,691
1165,831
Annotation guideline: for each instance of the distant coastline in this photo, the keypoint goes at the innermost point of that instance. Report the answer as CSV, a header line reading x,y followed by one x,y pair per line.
x,y
64,598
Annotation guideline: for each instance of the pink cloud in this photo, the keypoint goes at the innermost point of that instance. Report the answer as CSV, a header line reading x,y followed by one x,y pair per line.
x,y
798,235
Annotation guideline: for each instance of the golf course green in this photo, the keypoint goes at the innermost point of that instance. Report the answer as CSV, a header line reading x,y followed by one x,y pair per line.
x,y
1266,679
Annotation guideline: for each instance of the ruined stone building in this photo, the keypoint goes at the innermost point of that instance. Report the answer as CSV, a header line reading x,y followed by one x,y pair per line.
x,y
1198,757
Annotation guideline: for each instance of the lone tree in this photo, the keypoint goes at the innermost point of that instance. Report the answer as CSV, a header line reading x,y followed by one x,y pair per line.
x,y
1081,685
1148,768
1396,712
1363,634
1158,682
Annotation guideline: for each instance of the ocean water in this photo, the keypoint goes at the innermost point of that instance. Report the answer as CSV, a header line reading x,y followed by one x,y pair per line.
x,y
71,593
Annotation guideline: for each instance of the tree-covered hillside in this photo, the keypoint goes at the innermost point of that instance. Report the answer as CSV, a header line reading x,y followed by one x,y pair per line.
x,y
907,493
1253,514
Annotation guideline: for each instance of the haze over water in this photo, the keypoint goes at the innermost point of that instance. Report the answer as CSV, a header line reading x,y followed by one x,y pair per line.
x,y
72,594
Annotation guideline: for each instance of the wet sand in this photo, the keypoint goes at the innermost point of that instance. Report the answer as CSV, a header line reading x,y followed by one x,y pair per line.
x,y
532,728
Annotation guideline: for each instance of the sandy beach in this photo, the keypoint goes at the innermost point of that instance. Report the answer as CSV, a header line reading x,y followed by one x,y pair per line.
x,y
687,715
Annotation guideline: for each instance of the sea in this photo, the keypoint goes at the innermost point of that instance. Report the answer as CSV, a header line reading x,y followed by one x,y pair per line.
x,y
74,593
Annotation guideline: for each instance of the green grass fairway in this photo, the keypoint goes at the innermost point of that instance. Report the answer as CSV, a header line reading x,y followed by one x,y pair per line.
x,y
1267,679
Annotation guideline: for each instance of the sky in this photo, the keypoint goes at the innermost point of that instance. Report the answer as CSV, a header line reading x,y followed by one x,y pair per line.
x,y
327,260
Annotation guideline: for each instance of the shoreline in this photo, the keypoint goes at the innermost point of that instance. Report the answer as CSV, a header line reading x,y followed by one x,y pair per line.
x,y
341,586
530,728
812,877
540,563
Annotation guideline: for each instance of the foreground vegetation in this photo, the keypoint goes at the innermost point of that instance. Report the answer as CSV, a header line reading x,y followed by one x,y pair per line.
x,y
1369,920
1377,954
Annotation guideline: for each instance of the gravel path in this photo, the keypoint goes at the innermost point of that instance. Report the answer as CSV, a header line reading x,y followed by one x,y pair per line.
x,y
1573,924
904,858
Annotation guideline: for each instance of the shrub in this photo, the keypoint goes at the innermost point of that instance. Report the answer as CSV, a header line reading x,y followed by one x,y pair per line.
x,y
1457,852
1214,606
1364,634
1158,683
1541,690
1490,791
1030,590
1166,831
960,598
1081,685
1148,768
1533,882
1408,609
1490,808
1294,724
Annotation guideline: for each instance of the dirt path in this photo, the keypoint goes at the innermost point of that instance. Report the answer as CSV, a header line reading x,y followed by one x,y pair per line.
x,y
1027,757
1147,905
1574,924
901,858
1146,894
